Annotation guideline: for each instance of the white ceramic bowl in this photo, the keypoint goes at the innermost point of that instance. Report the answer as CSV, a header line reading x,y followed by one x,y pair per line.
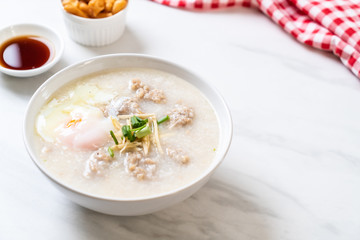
x,y
135,206
51,36
95,32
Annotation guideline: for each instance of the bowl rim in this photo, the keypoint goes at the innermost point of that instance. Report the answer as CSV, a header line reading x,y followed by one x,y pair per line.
x,y
219,157
59,49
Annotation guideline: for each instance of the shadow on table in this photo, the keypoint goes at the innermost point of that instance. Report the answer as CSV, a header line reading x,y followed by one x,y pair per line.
x,y
25,87
234,10
217,211
129,42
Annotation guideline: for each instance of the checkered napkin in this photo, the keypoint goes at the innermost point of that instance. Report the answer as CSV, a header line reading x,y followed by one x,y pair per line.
x,y
330,25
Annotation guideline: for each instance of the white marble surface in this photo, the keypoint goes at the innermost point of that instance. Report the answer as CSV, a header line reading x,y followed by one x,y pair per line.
x,y
293,170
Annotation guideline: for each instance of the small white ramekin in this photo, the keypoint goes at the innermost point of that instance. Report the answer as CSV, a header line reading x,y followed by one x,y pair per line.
x,y
95,32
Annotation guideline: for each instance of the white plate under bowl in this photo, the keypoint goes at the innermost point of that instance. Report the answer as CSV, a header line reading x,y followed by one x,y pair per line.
x,y
126,206
36,30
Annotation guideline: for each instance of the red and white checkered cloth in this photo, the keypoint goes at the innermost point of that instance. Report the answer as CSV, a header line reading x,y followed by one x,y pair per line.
x,y
330,25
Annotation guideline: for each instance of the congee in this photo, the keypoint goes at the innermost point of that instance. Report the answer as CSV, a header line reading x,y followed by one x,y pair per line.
x,y
127,133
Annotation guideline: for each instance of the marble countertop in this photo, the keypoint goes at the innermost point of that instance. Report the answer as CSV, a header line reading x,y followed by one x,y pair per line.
x,y
292,172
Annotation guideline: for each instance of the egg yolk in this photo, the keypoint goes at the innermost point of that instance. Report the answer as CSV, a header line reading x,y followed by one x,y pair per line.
x,y
73,122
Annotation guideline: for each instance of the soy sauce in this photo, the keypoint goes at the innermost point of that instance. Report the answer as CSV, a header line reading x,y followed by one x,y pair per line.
x,y
25,52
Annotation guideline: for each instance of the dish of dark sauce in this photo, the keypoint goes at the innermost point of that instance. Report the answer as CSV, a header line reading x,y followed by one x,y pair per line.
x,y
25,52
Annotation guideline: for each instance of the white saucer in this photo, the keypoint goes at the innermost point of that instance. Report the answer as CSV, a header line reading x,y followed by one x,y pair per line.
x,y
36,30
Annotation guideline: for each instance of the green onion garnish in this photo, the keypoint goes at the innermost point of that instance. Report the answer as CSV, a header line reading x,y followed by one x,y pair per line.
x,y
127,133
143,132
137,129
111,152
133,120
137,122
164,119
113,137
125,130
